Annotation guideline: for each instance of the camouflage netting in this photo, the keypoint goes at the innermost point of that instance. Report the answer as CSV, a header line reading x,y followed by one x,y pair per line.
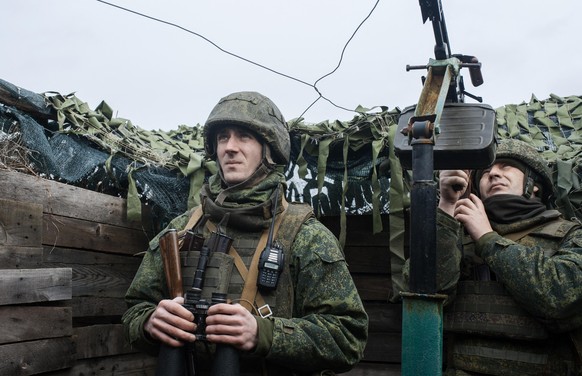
x,y
554,127
67,141
341,168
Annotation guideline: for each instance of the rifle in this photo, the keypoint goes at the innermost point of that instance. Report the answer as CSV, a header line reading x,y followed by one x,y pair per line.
x,y
171,260
432,9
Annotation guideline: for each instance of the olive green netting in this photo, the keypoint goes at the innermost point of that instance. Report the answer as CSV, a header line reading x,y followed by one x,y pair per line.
x,y
340,168
553,127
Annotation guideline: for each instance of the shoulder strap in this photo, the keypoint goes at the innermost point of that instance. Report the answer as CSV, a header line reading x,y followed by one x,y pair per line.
x,y
559,227
194,218
293,215
296,215
250,293
515,236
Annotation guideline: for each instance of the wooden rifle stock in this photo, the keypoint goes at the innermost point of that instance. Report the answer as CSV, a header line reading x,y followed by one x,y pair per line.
x,y
170,252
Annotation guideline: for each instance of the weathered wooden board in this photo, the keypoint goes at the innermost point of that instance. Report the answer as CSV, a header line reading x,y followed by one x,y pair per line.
x,y
35,285
35,357
25,323
66,200
87,234
122,365
95,274
63,257
384,317
375,369
100,340
383,347
373,287
359,230
372,259
93,307
15,257
20,223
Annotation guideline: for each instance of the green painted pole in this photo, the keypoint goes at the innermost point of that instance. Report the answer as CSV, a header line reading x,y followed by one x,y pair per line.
x,y
422,345
422,308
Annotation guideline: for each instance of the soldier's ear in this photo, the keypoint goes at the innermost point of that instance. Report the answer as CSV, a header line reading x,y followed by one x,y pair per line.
x,y
535,192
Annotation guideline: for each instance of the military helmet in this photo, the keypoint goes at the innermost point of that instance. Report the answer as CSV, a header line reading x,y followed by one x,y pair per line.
x,y
254,112
537,170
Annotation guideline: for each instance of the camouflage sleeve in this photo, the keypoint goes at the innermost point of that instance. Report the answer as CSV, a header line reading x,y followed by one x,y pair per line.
x,y
448,261
449,239
146,290
549,287
329,328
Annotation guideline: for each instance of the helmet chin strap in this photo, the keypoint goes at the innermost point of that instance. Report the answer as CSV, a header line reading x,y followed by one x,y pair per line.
x,y
528,184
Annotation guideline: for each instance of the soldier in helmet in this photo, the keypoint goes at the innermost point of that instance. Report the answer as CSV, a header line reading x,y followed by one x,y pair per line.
x,y
511,267
308,318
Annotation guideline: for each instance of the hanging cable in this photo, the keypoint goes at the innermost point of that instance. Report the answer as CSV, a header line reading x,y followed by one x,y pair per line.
x,y
313,86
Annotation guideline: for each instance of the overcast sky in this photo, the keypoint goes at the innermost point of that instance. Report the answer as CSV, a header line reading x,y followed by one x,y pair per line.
x,y
159,76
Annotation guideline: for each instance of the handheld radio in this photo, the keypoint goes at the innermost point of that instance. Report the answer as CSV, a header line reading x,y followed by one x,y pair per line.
x,y
272,259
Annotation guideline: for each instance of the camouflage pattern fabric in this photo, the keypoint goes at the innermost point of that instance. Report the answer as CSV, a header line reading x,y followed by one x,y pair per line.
x,y
553,127
328,329
541,271
253,111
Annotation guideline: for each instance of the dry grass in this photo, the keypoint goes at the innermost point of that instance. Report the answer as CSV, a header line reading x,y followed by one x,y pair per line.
x,y
14,156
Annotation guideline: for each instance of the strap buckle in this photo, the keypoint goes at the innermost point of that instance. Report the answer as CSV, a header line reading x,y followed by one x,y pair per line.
x,y
266,308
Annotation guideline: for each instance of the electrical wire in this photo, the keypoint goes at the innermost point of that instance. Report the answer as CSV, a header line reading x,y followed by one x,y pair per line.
x,y
313,86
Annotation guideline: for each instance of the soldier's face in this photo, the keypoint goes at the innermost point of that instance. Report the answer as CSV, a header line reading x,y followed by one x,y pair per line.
x,y
501,178
239,153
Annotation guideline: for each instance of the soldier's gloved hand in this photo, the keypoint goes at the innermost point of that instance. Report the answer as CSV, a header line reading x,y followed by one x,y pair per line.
x,y
452,186
171,323
232,324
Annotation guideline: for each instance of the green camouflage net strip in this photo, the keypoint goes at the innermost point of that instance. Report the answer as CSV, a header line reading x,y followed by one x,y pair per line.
x,y
181,149
553,126
364,129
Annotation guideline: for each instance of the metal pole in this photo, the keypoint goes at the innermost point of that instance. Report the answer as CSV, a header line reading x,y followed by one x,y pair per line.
x,y
422,330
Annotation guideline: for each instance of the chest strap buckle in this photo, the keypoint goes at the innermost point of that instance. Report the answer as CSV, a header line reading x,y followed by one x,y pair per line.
x,y
267,311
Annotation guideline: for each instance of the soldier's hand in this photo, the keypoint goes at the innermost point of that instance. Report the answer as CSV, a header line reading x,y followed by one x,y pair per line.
x,y
452,186
471,213
171,323
232,324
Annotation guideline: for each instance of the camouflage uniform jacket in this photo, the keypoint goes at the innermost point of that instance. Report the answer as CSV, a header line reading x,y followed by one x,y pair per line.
x,y
328,327
541,270
553,279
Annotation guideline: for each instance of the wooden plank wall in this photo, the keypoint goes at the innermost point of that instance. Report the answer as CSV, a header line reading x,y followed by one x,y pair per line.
x,y
67,257
66,260
368,259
